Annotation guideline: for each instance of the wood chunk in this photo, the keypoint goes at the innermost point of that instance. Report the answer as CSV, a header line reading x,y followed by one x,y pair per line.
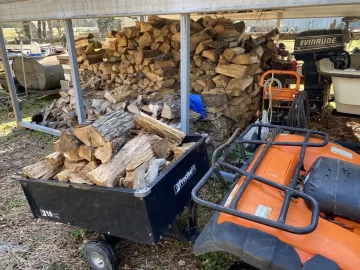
x,y
86,152
68,142
76,166
230,53
197,87
109,150
109,174
171,108
92,165
115,96
131,32
212,55
153,76
154,126
55,159
64,175
76,178
56,145
245,59
221,81
181,150
145,27
176,56
232,70
72,156
146,40
160,146
38,169
239,85
110,126
141,55
197,38
82,133
140,159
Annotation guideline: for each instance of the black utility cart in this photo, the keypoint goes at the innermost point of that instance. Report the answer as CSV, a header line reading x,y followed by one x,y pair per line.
x,y
140,215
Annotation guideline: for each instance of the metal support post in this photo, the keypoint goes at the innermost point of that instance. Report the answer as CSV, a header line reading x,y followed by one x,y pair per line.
x,y
185,71
51,131
74,71
278,21
9,78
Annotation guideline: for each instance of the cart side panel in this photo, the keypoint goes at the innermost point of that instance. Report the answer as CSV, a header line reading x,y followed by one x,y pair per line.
x,y
106,210
172,192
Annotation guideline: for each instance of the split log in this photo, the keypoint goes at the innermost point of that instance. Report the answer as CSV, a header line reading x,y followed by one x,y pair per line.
x,y
86,152
232,70
245,59
109,174
172,108
39,170
230,53
110,126
73,156
76,166
221,81
109,150
154,126
92,165
181,150
64,175
76,178
68,142
83,134
140,159
55,159
160,146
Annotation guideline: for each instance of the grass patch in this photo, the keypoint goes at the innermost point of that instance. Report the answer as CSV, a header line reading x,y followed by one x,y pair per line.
x,y
78,233
15,202
217,261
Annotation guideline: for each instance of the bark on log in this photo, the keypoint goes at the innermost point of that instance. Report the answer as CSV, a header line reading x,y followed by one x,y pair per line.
x,y
109,150
110,126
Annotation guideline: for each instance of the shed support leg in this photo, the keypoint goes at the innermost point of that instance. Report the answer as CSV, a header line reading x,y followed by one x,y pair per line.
x,y
9,78
185,71
278,22
74,71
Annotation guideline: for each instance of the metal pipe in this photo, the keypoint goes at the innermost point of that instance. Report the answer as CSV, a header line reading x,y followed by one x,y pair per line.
x,y
74,71
185,71
36,127
23,67
9,78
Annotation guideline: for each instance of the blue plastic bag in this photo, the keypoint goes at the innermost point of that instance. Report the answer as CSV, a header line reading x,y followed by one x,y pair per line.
x,y
197,105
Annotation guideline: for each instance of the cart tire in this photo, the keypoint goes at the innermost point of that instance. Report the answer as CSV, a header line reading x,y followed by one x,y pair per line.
x,y
100,255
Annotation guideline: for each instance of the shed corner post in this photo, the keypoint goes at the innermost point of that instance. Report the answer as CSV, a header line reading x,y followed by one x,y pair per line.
x,y
9,78
74,70
185,71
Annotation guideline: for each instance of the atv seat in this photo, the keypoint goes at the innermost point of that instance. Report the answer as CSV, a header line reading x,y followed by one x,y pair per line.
x,y
335,185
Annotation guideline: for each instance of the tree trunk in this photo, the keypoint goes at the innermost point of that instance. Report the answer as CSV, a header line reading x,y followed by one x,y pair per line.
x,y
39,29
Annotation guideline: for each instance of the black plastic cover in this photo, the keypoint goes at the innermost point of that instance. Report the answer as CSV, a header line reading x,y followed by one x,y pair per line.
x,y
335,184
259,249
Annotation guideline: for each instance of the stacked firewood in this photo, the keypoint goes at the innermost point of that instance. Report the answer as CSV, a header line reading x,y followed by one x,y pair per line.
x,y
137,69
106,152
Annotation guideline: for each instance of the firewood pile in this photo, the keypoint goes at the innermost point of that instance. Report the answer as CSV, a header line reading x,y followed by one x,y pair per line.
x,y
118,150
138,69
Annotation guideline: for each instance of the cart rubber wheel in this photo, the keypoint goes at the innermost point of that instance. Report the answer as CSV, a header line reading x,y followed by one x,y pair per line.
x,y
100,255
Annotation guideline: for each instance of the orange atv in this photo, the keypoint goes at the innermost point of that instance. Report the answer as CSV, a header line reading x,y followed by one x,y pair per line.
x,y
295,204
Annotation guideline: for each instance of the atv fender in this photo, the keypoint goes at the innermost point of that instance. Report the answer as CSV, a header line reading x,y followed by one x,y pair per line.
x,y
259,249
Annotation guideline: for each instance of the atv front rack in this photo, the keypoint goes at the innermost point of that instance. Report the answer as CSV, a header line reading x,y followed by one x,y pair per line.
x,y
289,191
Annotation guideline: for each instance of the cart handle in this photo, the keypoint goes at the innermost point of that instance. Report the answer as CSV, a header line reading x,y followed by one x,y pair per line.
x,y
287,72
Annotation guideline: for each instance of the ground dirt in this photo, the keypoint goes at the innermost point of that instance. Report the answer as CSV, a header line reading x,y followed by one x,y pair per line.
x,y
27,243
